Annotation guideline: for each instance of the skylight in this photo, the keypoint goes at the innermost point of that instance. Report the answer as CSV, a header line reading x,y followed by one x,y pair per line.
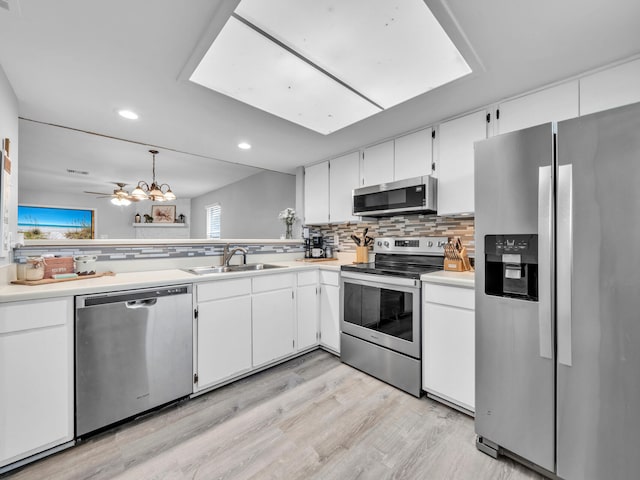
x,y
328,64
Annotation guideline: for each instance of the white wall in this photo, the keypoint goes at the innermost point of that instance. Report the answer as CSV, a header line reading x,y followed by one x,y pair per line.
x,y
9,129
112,222
250,207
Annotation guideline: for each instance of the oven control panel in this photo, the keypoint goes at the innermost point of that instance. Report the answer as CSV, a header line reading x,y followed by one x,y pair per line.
x,y
410,245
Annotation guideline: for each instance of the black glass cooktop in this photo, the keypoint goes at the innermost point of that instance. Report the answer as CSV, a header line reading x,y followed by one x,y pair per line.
x,y
408,266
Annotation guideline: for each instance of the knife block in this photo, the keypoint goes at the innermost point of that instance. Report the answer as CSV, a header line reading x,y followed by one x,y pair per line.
x,y
460,264
452,265
362,254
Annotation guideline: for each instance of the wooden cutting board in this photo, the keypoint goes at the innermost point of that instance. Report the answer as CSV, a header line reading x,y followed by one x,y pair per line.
x,y
45,281
316,259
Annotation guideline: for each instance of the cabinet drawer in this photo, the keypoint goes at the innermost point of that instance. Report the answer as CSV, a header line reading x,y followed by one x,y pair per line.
x,y
330,278
223,289
308,278
266,283
18,316
446,295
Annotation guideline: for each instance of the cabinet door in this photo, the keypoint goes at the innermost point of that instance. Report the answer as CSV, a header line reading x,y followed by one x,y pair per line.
x,y
307,316
413,155
448,352
273,325
36,377
377,164
316,193
552,104
455,162
344,173
224,339
610,88
330,317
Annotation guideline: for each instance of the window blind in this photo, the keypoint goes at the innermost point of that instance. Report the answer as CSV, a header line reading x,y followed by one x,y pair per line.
x,y
213,220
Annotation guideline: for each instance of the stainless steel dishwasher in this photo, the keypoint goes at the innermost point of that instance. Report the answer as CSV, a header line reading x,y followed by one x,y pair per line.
x,y
133,353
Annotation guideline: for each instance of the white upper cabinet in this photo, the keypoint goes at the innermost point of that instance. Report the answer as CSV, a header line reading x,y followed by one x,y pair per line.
x,y
413,154
377,164
610,88
316,193
344,174
552,104
455,162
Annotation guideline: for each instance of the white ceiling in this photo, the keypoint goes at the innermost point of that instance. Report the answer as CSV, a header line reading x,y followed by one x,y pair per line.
x,y
75,63
397,50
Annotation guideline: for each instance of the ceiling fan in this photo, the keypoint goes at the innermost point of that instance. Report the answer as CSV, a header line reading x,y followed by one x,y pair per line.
x,y
119,196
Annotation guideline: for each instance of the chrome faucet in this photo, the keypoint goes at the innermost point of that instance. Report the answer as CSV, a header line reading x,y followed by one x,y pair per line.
x,y
227,254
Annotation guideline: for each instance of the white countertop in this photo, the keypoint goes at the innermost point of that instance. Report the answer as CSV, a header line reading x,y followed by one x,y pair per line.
x,y
457,279
151,278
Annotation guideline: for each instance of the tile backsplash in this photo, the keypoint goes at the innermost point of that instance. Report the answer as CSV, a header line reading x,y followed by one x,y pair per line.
x,y
402,226
147,252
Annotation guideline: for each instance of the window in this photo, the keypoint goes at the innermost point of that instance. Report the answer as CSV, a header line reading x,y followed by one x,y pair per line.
x,y
213,220
47,223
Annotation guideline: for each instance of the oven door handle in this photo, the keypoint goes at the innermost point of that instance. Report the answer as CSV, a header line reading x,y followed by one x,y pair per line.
x,y
372,278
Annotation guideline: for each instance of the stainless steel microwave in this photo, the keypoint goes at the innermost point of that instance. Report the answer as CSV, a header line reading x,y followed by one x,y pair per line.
x,y
413,195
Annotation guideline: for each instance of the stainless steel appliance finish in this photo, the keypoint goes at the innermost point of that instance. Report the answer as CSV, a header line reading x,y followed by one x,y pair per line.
x,y
413,195
394,368
380,314
134,352
514,384
365,315
557,380
248,267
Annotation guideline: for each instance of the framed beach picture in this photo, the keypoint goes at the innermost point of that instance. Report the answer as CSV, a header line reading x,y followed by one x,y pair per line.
x,y
163,213
50,223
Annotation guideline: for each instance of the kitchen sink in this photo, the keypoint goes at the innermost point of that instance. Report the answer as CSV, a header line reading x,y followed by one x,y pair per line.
x,y
232,268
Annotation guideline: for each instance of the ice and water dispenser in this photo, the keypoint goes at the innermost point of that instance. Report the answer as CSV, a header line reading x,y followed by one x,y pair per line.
x,y
511,266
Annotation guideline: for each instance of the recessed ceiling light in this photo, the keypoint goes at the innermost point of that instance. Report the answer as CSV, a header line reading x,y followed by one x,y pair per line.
x,y
128,114
244,145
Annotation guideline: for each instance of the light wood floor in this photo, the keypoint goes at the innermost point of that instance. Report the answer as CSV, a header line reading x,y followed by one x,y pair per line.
x,y
310,418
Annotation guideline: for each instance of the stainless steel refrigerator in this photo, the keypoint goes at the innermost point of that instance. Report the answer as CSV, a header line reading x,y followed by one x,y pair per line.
x,y
558,295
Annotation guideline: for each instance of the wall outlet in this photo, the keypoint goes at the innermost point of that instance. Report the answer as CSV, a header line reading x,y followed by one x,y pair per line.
x,y
336,241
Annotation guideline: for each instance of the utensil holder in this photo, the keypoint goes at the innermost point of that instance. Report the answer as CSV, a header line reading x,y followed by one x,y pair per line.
x,y
362,254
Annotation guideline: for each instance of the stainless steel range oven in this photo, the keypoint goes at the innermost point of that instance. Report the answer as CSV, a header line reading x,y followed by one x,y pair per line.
x,y
380,313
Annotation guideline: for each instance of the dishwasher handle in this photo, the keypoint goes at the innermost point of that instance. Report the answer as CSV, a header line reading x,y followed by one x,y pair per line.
x,y
132,297
148,302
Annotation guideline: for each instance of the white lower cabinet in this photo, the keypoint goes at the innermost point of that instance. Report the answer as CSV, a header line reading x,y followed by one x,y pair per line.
x,y
273,335
223,331
448,344
330,310
247,323
273,319
36,377
307,309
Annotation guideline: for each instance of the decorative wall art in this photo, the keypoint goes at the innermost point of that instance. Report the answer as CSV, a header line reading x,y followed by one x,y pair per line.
x,y
51,223
163,213
5,181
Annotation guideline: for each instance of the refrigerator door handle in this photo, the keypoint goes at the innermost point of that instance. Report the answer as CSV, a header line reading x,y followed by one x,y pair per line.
x,y
564,254
545,333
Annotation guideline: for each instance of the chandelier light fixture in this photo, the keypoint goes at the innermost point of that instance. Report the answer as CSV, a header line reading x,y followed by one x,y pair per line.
x,y
154,192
